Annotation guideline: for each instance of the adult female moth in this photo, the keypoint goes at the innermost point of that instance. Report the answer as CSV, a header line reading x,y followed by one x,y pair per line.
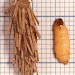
x,y
61,41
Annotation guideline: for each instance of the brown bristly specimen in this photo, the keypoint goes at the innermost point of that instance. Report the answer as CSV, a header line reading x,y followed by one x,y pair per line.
x,y
23,22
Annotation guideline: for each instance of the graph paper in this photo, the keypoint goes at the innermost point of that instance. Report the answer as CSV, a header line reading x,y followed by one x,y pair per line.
x,y
46,11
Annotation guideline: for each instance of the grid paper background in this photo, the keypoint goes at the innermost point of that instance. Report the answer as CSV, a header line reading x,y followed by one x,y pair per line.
x,y
46,11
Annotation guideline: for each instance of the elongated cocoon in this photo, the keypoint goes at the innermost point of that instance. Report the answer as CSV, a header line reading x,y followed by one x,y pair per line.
x,y
61,41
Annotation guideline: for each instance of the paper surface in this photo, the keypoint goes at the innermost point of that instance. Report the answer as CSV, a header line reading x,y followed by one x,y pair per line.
x,y
46,11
